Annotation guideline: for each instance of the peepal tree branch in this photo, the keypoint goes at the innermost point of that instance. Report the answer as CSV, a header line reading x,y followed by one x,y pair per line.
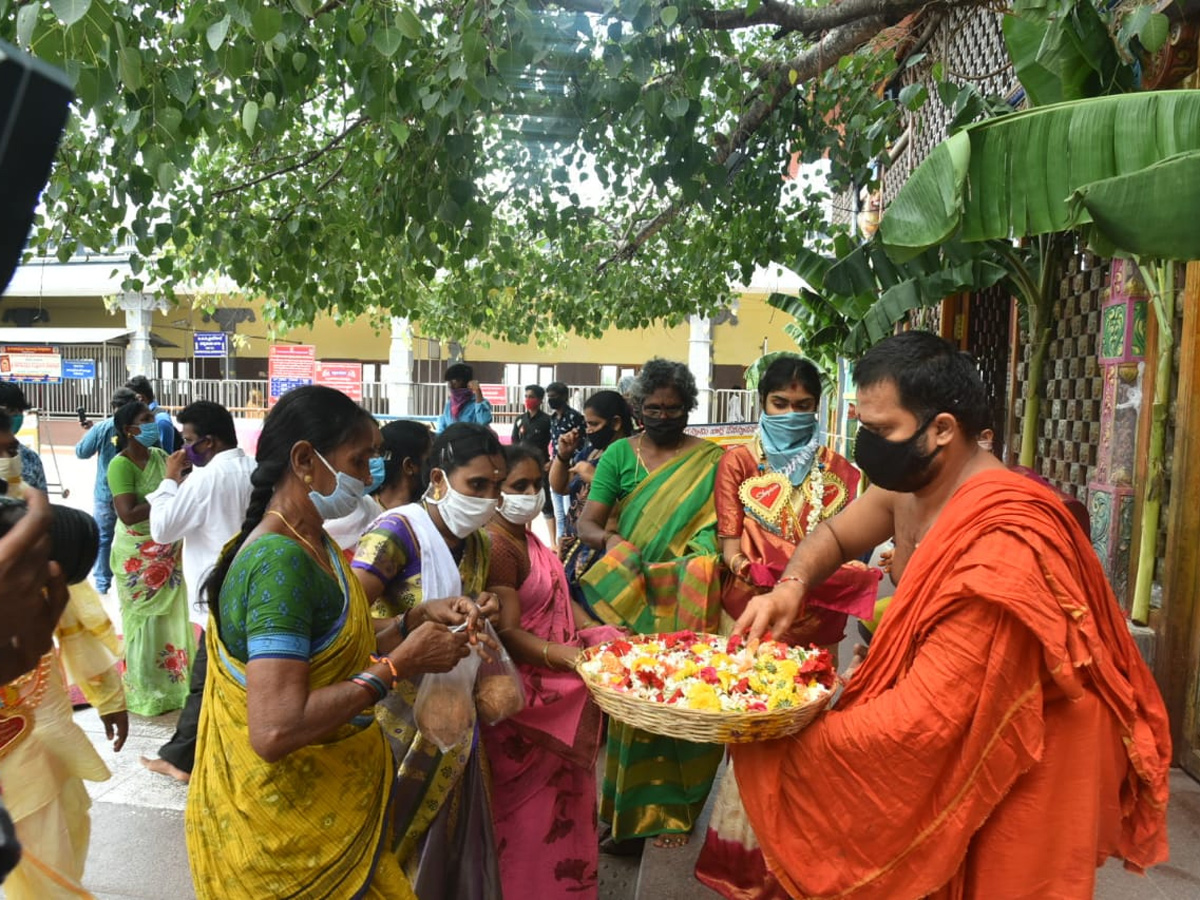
x,y
806,66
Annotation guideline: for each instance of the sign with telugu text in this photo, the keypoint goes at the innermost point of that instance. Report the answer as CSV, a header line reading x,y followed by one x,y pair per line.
x,y
289,366
495,394
726,434
210,344
345,377
34,365
79,368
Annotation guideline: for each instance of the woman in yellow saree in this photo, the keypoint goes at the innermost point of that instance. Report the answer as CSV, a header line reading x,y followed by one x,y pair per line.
x,y
293,777
659,574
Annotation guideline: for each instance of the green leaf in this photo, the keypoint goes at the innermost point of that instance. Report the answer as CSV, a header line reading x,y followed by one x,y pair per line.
x,y
357,32
1155,32
265,23
669,15
216,32
1013,176
409,25
913,96
70,11
129,67
180,83
304,7
387,41
166,175
1150,212
249,117
27,17
299,60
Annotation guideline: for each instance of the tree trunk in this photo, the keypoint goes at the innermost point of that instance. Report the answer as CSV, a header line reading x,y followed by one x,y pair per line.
x,y
1161,282
1033,395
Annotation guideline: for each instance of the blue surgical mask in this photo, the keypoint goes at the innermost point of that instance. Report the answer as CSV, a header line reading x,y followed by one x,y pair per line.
x,y
18,419
790,441
147,434
345,496
378,471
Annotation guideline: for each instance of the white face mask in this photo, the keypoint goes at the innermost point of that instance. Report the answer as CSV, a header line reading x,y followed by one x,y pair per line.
x,y
462,513
10,468
521,509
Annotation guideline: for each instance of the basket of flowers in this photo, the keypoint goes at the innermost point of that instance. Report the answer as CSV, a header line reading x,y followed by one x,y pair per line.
x,y
707,688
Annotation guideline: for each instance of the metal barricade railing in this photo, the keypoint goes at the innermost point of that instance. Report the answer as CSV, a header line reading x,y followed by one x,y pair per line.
x,y
734,406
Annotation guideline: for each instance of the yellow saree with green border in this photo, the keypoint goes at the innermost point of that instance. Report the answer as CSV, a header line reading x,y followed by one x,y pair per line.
x,y
662,577
313,824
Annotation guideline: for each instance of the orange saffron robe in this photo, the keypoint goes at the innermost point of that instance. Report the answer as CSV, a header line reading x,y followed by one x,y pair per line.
x,y
1002,739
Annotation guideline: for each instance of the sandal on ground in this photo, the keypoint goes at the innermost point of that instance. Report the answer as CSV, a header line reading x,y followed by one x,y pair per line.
x,y
672,841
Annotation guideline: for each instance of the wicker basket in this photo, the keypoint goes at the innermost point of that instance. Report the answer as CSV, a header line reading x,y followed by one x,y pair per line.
x,y
700,725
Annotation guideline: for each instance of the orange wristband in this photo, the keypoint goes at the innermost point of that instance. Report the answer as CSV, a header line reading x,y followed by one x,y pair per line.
x,y
387,661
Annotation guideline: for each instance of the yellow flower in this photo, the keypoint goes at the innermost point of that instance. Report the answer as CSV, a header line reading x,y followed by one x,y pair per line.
x,y
702,696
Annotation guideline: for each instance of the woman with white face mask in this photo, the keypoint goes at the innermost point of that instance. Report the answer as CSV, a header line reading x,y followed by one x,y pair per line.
x,y
427,561
543,759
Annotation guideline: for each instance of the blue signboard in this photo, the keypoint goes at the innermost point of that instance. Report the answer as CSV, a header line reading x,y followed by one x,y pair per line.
x,y
79,368
280,386
210,344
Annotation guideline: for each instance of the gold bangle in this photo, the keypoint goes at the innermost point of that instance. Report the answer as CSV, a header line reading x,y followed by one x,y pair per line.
x,y
546,655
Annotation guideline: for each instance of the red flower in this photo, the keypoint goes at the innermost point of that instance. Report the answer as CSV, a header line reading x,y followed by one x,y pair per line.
x,y
680,637
709,675
676,697
735,643
133,564
819,667
742,686
620,647
156,575
650,678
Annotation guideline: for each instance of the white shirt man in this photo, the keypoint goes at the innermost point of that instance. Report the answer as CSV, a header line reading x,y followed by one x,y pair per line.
x,y
205,509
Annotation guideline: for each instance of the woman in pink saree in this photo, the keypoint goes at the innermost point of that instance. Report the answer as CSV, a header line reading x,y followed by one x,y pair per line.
x,y
544,758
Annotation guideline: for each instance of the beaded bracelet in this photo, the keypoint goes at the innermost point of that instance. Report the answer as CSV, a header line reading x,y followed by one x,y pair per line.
x,y
371,683
387,661
792,578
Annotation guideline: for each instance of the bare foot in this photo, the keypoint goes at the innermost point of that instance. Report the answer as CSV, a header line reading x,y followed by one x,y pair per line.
x,y
672,841
162,767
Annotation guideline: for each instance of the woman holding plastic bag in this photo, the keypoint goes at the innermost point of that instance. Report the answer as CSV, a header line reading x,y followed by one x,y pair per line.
x,y
424,562
543,759
293,779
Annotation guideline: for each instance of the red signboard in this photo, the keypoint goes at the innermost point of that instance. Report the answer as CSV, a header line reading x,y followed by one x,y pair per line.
x,y
495,394
289,366
346,377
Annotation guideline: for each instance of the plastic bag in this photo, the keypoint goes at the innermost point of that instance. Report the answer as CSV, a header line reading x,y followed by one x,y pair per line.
x,y
498,689
445,707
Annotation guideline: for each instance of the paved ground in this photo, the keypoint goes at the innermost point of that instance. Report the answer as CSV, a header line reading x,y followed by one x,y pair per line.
x,y
137,848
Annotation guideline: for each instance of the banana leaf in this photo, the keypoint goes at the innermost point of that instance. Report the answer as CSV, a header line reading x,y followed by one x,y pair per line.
x,y
1126,210
1015,175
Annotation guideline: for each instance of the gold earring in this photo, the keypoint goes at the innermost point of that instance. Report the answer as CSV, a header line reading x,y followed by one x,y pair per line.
x,y
308,479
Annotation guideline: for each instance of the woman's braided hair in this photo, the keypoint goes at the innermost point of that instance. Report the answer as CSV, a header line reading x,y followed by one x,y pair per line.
x,y
324,417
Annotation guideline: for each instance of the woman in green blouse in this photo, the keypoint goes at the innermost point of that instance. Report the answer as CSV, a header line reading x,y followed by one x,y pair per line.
x,y
148,576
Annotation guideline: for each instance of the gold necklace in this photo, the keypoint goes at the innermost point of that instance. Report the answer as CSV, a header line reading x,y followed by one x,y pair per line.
x,y
638,452
321,561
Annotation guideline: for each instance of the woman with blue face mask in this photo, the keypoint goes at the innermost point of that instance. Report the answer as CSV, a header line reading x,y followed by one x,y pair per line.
x,y
290,757
148,576
770,493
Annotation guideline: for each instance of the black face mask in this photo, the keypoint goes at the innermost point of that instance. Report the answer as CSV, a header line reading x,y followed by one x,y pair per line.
x,y
665,431
894,465
556,403
602,437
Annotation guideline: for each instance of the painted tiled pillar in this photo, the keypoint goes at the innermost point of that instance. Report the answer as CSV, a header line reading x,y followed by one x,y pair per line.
x,y
1122,350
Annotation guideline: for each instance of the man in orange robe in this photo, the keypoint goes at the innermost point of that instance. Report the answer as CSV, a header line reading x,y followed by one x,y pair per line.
x,y
1003,737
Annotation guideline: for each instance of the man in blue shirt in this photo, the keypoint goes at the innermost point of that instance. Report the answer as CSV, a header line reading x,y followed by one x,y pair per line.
x,y
140,385
466,403
13,402
100,441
